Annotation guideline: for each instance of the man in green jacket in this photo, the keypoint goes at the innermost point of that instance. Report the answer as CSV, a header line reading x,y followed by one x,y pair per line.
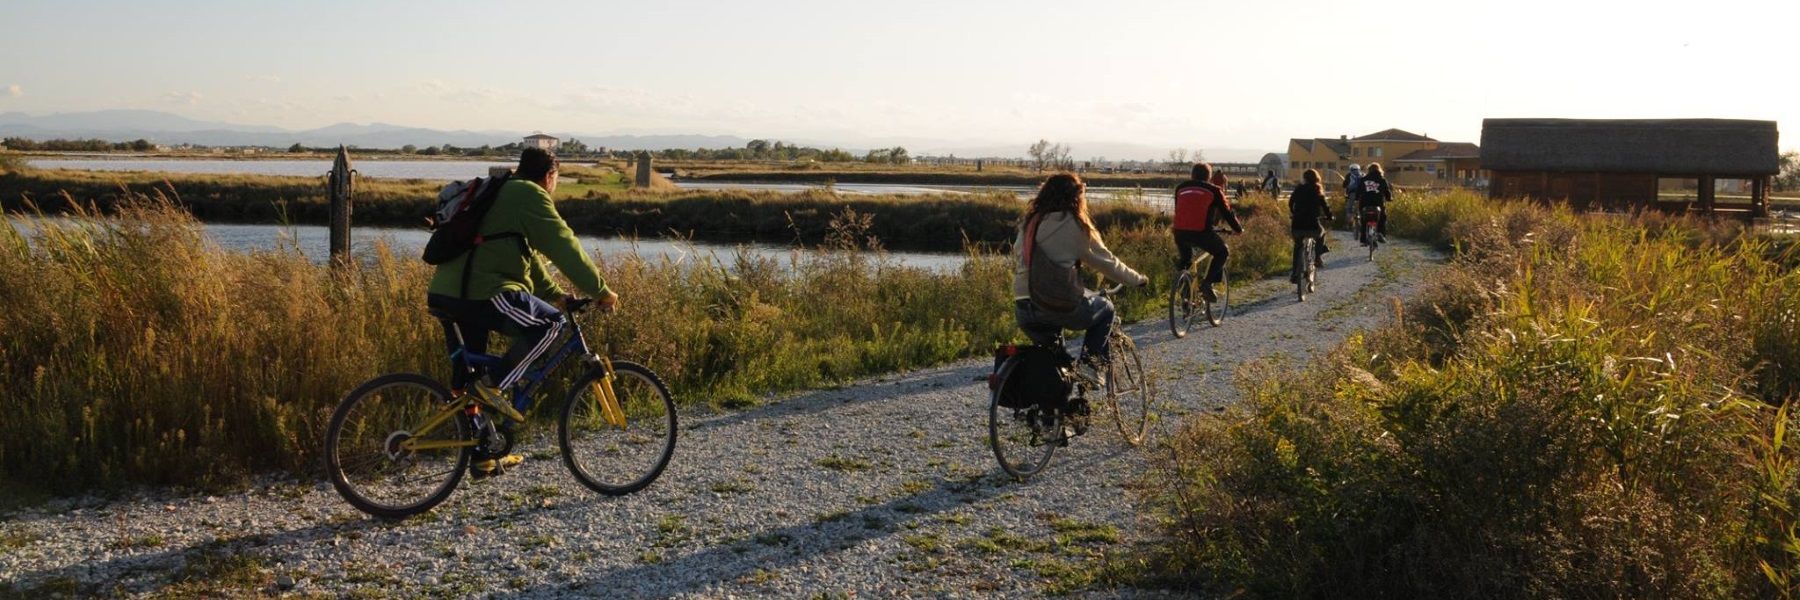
x,y
508,288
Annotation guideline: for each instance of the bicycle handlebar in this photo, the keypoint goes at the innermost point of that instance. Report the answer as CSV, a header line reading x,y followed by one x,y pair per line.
x,y
575,306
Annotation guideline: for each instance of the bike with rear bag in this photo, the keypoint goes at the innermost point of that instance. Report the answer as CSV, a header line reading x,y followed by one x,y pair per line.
x,y
399,444
1371,228
1038,397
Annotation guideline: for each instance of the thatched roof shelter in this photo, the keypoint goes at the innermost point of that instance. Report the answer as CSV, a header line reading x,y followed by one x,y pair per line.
x,y
1721,147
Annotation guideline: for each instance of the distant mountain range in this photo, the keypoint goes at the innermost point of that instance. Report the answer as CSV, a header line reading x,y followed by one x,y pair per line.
x,y
171,129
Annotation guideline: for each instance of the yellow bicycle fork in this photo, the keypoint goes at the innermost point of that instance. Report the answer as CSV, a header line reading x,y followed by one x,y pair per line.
x,y
610,412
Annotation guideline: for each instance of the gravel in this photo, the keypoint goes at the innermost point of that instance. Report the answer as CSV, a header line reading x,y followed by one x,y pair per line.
x,y
885,488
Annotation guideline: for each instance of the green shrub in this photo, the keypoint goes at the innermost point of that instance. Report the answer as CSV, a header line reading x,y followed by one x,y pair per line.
x,y
1575,407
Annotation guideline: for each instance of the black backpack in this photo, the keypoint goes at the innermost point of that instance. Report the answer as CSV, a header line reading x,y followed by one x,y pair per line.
x,y
456,225
1036,380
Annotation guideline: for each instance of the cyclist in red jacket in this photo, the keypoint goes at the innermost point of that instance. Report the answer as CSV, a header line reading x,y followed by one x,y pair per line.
x,y
1199,206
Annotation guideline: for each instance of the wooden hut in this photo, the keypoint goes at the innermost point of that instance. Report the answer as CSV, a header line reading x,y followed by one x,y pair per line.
x,y
1709,165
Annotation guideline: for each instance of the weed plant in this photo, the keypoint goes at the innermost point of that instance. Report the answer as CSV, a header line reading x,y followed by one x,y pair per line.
x,y
1574,407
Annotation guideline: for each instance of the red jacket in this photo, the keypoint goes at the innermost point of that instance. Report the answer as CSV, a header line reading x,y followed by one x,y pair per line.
x,y
1200,205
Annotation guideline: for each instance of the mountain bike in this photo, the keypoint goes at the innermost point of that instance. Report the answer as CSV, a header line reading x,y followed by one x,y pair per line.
x,y
1186,302
1371,230
1024,431
1305,268
398,444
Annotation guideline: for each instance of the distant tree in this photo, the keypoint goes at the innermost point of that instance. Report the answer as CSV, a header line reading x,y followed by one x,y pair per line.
x,y
1788,180
1040,153
899,156
572,146
142,145
296,148
1199,155
431,151
1061,157
409,149
1178,156
878,155
757,148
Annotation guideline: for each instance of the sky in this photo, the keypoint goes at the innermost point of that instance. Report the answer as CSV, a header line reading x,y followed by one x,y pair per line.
x,y
1179,74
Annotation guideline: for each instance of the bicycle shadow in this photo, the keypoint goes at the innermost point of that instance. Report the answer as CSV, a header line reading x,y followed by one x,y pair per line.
x,y
781,547
156,571
951,375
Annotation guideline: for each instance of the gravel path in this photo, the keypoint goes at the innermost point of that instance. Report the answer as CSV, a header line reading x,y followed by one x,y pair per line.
x,y
882,489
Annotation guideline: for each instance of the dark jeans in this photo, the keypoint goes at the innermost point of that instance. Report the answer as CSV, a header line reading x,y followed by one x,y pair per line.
x,y
1300,236
1211,242
1095,316
530,321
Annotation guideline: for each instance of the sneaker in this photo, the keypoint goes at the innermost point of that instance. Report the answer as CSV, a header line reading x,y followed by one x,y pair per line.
x,y
1206,291
1096,369
483,469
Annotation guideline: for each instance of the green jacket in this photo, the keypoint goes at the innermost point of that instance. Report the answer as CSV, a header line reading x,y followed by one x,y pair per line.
x,y
501,265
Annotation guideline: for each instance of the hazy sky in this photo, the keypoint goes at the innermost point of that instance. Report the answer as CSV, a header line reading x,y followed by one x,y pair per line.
x,y
1246,74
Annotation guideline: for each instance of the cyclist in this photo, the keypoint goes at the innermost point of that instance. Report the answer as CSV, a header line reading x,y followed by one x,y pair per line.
x,y
1057,228
1373,194
1199,206
503,285
1271,184
1352,181
1307,208
1218,180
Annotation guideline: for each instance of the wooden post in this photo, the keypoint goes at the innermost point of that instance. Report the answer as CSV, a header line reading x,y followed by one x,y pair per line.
x,y
340,185
643,169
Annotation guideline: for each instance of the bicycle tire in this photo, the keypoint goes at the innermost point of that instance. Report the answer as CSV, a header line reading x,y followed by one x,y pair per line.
x,y
1303,269
1003,421
361,496
1181,305
1216,314
1130,406
641,402
1369,234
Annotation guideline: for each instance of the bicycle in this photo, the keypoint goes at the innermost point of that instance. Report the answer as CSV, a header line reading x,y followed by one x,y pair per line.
x,y
1371,231
399,444
1305,268
1024,431
1186,301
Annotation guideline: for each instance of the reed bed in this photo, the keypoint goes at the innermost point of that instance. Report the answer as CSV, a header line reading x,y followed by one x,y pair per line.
x,y
1575,407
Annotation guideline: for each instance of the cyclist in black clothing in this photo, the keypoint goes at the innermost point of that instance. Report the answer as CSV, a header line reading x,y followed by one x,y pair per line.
x,y
1308,208
1374,193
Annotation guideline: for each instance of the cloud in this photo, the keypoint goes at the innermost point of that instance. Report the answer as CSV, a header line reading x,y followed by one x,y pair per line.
x,y
15,91
265,78
187,98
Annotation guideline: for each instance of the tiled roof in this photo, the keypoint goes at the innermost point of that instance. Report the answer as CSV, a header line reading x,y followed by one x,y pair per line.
x,y
1443,151
1394,135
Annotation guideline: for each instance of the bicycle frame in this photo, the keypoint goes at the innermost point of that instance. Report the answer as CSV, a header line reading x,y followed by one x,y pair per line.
x,y
521,401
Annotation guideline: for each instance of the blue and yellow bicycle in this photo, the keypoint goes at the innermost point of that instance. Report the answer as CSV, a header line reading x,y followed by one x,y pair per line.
x,y
399,444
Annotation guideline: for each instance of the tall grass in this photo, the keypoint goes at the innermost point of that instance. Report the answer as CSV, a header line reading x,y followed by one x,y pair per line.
x,y
1576,407
139,351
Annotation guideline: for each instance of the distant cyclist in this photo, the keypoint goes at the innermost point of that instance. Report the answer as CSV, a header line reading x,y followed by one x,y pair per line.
x,y
1308,208
1057,228
1352,183
1271,184
1199,207
1374,193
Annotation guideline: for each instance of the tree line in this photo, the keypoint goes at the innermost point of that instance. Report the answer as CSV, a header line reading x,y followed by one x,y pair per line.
x,y
61,145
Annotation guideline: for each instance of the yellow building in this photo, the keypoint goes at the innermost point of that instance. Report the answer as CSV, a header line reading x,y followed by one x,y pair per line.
x,y
1410,159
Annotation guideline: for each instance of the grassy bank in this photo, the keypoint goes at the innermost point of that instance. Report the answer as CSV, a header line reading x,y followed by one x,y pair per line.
x,y
1576,407
598,205
142,353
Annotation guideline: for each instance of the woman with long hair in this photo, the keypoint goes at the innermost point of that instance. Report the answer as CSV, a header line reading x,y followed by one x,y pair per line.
x,y
1054,235
1306,207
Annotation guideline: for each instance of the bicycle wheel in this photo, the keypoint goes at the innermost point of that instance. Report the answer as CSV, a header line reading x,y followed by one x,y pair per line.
x,y
366,446
1216,311
1303,269
1022,438
1369,235
1181,305
618,453
1128,388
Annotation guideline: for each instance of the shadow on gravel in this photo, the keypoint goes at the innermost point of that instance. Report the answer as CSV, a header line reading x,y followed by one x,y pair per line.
x,y
153,571
815,402
779,548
